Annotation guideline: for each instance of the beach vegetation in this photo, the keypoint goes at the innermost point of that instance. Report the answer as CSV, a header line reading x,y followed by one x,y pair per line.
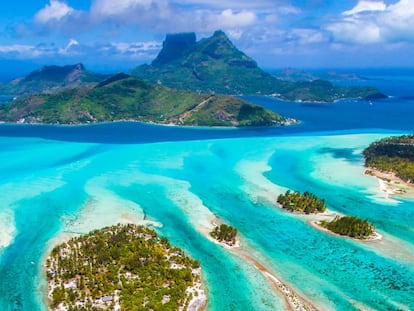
x,y
306,202
393,155
224,233
350,226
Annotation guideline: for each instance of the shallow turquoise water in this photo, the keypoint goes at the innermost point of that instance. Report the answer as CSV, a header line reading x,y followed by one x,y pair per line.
x,y
49,187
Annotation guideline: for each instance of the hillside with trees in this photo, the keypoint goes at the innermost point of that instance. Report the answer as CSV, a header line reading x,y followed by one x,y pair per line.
x,y
214,65
122,97
50,79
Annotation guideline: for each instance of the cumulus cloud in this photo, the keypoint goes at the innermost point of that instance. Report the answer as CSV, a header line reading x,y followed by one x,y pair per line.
x,y
73,49
134,50
109,18
54,11
366,6
375,22
132,12
19,51
228,19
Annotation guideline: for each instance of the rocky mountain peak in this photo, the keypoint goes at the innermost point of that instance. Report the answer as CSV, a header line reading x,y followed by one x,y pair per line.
x,y
174,47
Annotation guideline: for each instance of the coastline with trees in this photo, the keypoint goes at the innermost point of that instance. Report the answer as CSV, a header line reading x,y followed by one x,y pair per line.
x,y
225,234
306,203
350,226
123,267
391,160
316,213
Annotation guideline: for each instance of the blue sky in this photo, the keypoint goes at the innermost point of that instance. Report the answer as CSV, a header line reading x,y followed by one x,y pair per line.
x,y
111,35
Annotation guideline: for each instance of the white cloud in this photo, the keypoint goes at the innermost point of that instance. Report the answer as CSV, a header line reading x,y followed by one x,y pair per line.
x,y
110,8
225,4
361,32
137,46
16,48
228,19
366,6
168,16
66,49
24,51
54,11
375,22
307,36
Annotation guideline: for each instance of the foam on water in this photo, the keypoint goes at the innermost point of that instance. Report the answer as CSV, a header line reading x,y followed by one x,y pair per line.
x,y
7,228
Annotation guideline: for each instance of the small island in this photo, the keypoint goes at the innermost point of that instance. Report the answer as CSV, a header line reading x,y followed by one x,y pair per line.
x,y
306,203
349,226
391,160
123,267
225,234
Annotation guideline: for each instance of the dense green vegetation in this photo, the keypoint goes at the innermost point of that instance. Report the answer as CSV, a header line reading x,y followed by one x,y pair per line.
x,y
50,79
304,203
128,265
392,154
215,65
349,226
125,98
224,233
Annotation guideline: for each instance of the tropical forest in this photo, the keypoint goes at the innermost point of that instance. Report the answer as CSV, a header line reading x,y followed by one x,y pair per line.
x,y
123,267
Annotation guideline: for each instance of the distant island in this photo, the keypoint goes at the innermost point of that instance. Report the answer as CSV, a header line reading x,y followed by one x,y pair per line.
x,y
392,160
125,98
189,83
123,267
292,74
214,65
50,79
350,226
225,234
306,203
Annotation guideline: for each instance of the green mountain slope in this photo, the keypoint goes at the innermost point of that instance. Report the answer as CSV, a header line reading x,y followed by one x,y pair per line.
x,y
50,79
215,65
125,98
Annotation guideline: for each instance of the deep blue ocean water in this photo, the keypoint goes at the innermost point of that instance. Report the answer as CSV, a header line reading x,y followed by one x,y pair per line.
x,y
58,180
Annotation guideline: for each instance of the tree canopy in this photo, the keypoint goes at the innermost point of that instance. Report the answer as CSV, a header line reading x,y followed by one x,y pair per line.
x,y
307,202
126,265
394,155
350,226
224,233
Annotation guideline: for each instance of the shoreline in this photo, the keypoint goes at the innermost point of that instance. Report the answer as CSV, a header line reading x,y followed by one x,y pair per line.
x,y
372,238
294,301
314,219
288,122
389,184
198,302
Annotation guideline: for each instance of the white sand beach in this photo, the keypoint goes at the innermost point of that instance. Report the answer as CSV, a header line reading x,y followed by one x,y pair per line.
x,y
391,185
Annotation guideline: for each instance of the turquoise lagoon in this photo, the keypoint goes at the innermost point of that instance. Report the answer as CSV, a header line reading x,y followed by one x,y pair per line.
x,y
60,181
